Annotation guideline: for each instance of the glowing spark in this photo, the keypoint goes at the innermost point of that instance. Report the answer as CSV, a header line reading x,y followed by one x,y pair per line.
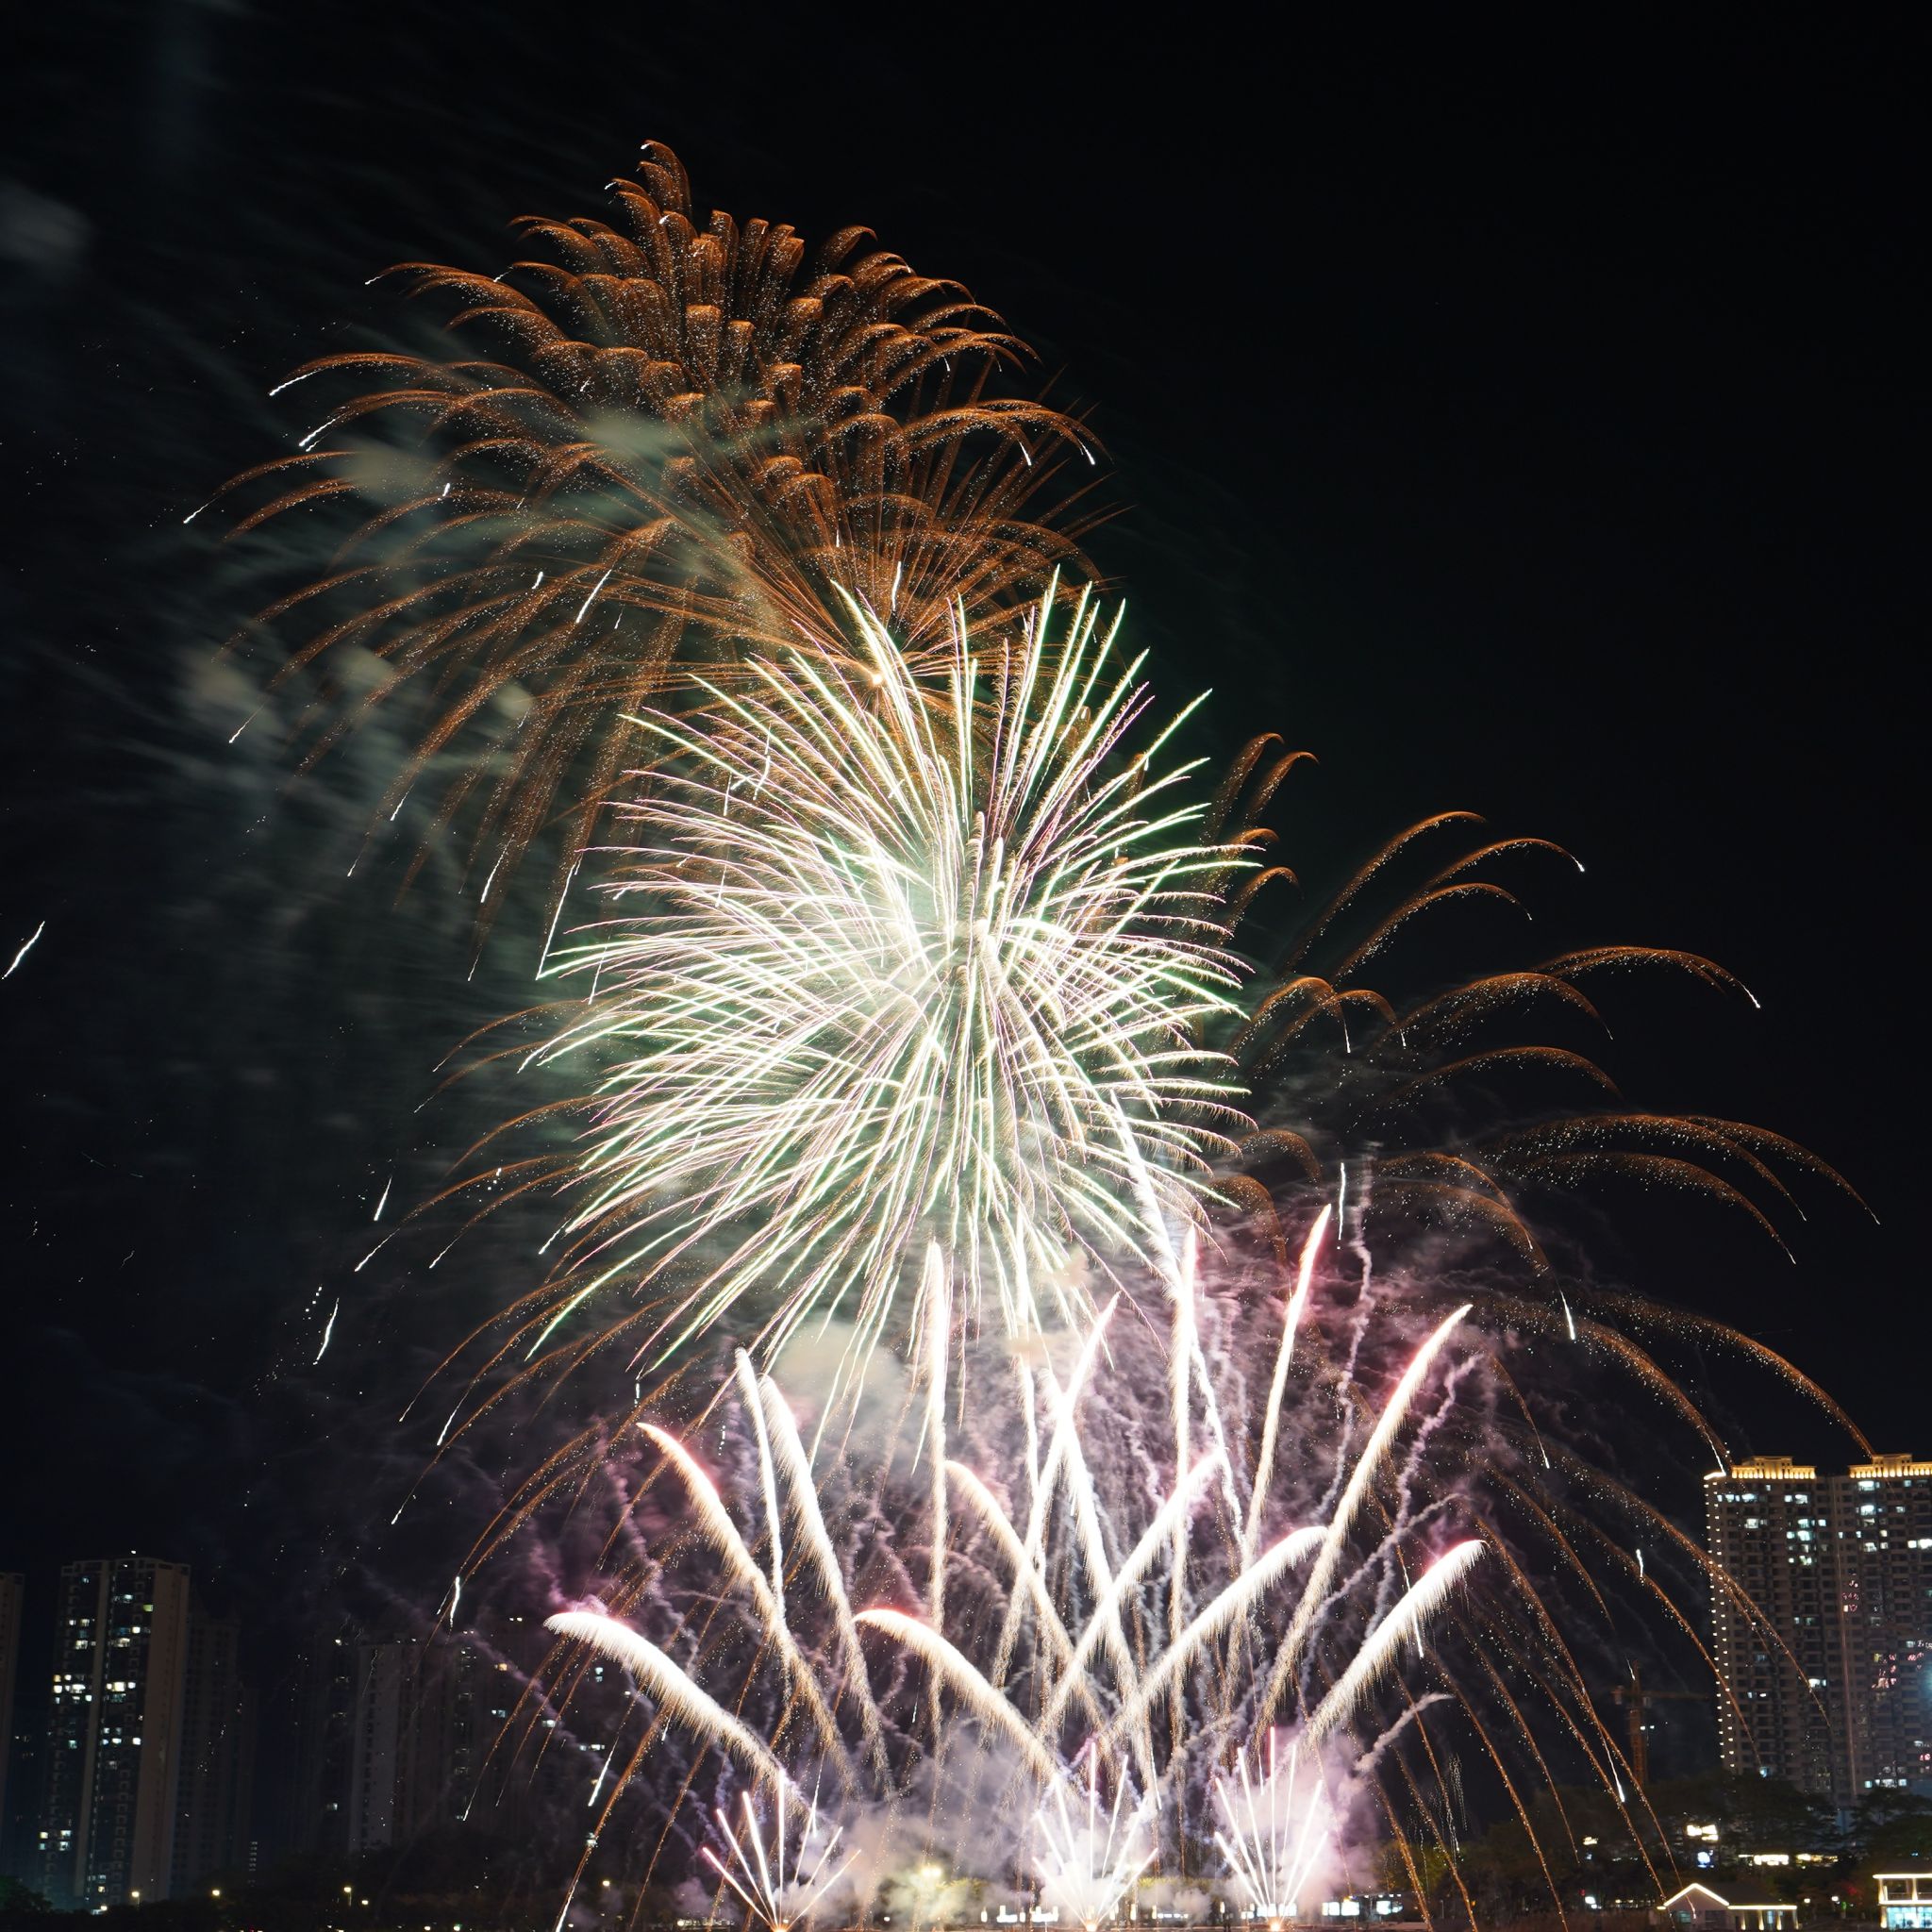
x,y
1405,1620
725,1536
1326,1565
1275,1834
27,948
1270,1426
787,1880
329,1328
674,1691
382,1201
593,597
979,1697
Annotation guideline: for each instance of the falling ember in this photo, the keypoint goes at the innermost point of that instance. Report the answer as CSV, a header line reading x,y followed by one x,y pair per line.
x,y
26,947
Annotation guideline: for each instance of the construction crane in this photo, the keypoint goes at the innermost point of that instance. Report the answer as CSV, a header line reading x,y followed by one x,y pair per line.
x,y
1636,1701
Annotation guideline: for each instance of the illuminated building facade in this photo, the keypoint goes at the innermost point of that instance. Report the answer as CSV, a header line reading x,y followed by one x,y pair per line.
x,y
107,1833
1772,1526
1835,1694
1905,1900
1885,1603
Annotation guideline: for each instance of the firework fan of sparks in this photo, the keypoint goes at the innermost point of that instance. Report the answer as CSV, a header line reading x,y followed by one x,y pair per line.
x,y
1123,1577
1090,1851
899,969
1276,1830
1155,1639
679,438
1464,1119
784,1875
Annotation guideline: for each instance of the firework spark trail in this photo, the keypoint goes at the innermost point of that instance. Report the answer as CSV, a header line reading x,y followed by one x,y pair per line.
x,y
1404,1621
1276,1836
1335,1545
1045,1476
979,1697
677,1691
1271,1425
725,1536
937,1315
27,946
791,1456
746,1378
1068,1663
1220,1615
1082,1494
1074,1679
941,980
1136,1681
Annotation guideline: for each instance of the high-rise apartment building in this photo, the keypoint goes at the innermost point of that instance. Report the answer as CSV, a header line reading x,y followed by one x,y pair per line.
x,y
1825,1669
417,1734
378,1716
107,1833
1772,1528
312,1716
1885,1610
212,1811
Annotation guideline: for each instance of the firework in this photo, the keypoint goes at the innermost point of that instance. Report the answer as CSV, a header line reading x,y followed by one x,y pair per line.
x,y
1276,1831
1097,1647
782,1876
669,441
903,1016
1460,1120
1091,1852
900,997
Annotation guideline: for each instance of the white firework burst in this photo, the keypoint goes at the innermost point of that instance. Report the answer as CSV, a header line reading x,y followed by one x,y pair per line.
x,y
901,962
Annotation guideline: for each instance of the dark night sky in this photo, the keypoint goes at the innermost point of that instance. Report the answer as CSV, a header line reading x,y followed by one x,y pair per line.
x,y
1530,420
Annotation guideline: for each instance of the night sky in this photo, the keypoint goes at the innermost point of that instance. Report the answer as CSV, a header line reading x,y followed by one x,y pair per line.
x,y
1527,419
